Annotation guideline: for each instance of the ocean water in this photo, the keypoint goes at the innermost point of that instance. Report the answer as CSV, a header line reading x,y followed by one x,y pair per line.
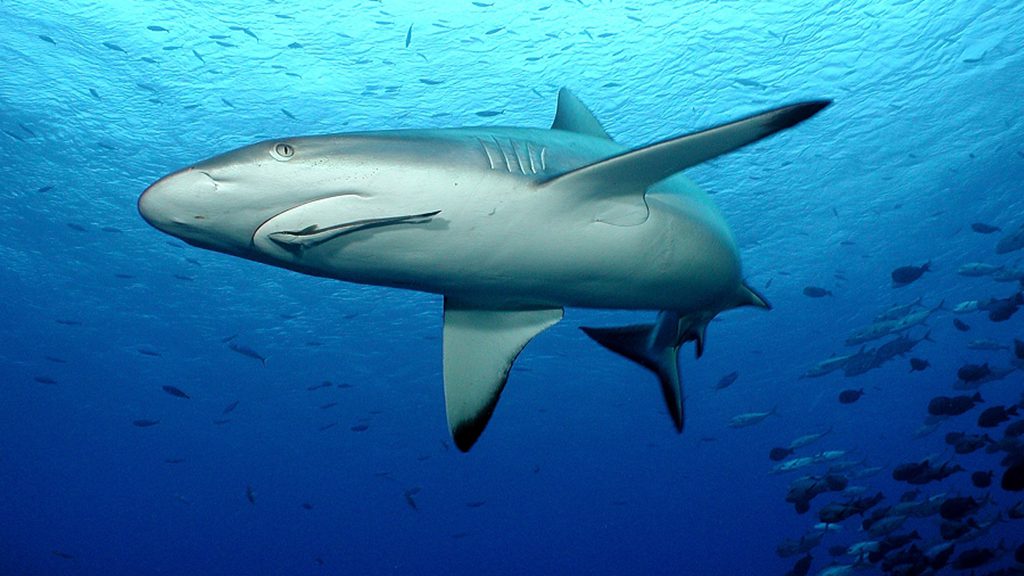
x,y
580,469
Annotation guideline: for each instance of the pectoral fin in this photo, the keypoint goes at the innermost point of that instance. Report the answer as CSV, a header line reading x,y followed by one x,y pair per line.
x,y
479,349
634,171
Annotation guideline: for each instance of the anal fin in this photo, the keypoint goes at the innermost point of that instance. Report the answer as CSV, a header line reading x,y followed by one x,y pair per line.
x,y
480,346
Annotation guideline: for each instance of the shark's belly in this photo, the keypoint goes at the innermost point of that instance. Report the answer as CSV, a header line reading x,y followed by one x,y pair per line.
x,y
527,254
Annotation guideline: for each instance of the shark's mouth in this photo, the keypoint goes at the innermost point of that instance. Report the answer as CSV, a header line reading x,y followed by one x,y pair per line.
x,y
320,221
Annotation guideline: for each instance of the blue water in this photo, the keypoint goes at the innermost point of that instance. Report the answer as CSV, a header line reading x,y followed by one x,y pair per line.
x,y
580,470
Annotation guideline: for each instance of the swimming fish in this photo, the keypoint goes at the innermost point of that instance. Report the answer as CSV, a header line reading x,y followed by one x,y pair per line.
x,y
850,396
175,391
816,292
750,418
247,352
952,406
907,274
982,228
727,380
440,210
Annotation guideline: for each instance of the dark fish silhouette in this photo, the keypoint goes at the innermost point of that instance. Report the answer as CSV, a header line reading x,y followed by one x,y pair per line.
x,y
148,352
230,407
906,274
918,364
61,554
816,292
409,498
1018,348
157,29
1001,309
360,428
919,473
175,391
114,47
967,443
45,380
839,511
952,406
960,325
982,228
778,454
247,351
973,372
143,423
898,347
727,380
850,396
408,36
46,38
996,415
959,507
893,543
1015,430
1011,242
250,494
247,32
982,479
973,558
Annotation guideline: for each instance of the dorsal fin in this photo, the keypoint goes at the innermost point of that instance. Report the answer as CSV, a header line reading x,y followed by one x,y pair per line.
x,y
574,116
635,171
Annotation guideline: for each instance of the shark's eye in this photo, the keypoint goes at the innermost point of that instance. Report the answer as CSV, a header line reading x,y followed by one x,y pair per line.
x,y
282,151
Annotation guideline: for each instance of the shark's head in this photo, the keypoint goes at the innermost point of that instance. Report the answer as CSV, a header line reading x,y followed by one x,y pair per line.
x,y
220,203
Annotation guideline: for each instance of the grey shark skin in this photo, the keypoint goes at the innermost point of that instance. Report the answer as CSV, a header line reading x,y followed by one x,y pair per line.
x,y
510,225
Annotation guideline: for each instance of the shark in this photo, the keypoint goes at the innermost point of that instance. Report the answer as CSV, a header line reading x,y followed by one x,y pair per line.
x,y
510,225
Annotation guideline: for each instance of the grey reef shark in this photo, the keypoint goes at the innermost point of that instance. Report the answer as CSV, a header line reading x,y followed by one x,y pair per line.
x,y
509,225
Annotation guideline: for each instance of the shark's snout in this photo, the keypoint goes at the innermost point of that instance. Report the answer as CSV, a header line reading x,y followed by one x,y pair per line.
x,y
175,202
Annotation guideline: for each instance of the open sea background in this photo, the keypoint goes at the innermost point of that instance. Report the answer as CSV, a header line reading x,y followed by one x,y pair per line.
x,y
580,470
